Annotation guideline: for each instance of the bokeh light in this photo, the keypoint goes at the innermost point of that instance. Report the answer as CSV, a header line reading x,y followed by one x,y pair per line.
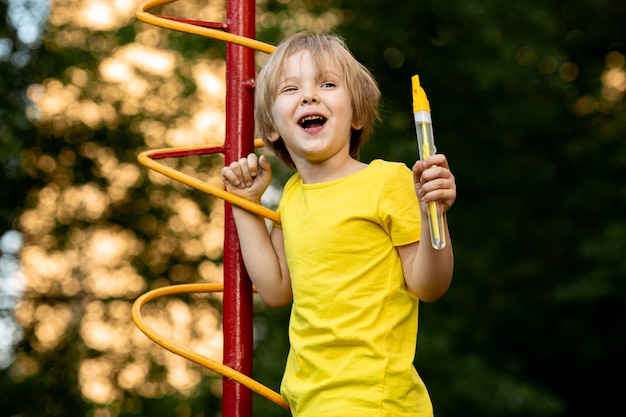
x,y
94,272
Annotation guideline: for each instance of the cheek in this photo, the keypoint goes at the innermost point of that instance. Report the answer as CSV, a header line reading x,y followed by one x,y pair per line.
x,y
275,112
278,119
282,109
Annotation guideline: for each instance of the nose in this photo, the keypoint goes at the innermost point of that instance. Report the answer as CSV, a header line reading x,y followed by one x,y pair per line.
x,y
309,96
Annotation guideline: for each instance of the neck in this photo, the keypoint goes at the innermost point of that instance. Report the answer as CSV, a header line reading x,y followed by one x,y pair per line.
x,y
313,172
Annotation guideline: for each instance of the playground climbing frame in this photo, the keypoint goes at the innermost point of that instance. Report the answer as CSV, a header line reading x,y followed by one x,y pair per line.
x,y
238,31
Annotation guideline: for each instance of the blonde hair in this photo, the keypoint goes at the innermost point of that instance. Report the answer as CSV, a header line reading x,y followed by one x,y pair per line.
x,y
326,50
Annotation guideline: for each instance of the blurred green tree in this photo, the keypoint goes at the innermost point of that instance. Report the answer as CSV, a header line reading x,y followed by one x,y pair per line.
x,y
528,105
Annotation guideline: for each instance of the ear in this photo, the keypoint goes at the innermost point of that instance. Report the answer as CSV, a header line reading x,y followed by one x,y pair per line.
x,y
357,124
273,137
357,120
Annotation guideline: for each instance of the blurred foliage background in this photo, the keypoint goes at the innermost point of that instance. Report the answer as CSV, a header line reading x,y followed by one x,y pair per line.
x,y
528,105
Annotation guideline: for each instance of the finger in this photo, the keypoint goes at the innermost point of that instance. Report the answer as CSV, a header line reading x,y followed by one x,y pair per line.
x,y
436,171
417,169
436,160
440,189
253,164
435,185
229,177
246,175
438,194
445,196
264,164
239,173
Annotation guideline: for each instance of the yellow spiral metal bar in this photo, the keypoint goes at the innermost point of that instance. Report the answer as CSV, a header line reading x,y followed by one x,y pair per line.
x,y
147,159
150,160
146,17
189,354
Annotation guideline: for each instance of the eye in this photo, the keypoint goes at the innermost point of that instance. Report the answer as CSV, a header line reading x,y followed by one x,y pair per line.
x,y
329,84
288,89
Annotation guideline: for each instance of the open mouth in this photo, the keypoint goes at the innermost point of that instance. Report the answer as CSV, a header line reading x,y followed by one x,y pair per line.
x,y
312,122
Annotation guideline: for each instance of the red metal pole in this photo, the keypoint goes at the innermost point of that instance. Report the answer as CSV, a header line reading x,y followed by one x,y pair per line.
x,y
240,20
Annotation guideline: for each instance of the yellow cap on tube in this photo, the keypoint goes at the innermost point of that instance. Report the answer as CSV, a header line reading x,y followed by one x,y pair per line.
x,y
420,101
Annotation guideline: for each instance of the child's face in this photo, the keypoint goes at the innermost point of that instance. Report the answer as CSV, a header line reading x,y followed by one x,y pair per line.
x,y
313,115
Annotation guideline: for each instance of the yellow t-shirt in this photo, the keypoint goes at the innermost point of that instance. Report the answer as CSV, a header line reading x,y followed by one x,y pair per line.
x,y
353,325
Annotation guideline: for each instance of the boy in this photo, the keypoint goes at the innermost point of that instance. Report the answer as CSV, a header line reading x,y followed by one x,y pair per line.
x,y
347,252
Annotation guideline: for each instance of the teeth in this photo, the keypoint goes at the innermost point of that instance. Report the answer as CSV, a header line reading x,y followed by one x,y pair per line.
x,y
312,121
310,118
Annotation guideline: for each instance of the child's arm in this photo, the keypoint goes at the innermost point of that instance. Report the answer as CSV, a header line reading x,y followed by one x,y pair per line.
x,y
263,253
428,271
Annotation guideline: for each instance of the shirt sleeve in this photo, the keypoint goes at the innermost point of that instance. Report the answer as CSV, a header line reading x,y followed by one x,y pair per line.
x,y
291,182
398,206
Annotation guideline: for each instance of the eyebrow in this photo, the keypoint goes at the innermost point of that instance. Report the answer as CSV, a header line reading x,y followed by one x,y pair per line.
x,y
321,75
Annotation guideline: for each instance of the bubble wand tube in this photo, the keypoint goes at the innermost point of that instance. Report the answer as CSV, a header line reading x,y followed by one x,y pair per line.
x,y
426,144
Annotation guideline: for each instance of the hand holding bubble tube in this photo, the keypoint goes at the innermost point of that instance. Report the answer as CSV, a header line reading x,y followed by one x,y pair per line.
x,y
426,145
